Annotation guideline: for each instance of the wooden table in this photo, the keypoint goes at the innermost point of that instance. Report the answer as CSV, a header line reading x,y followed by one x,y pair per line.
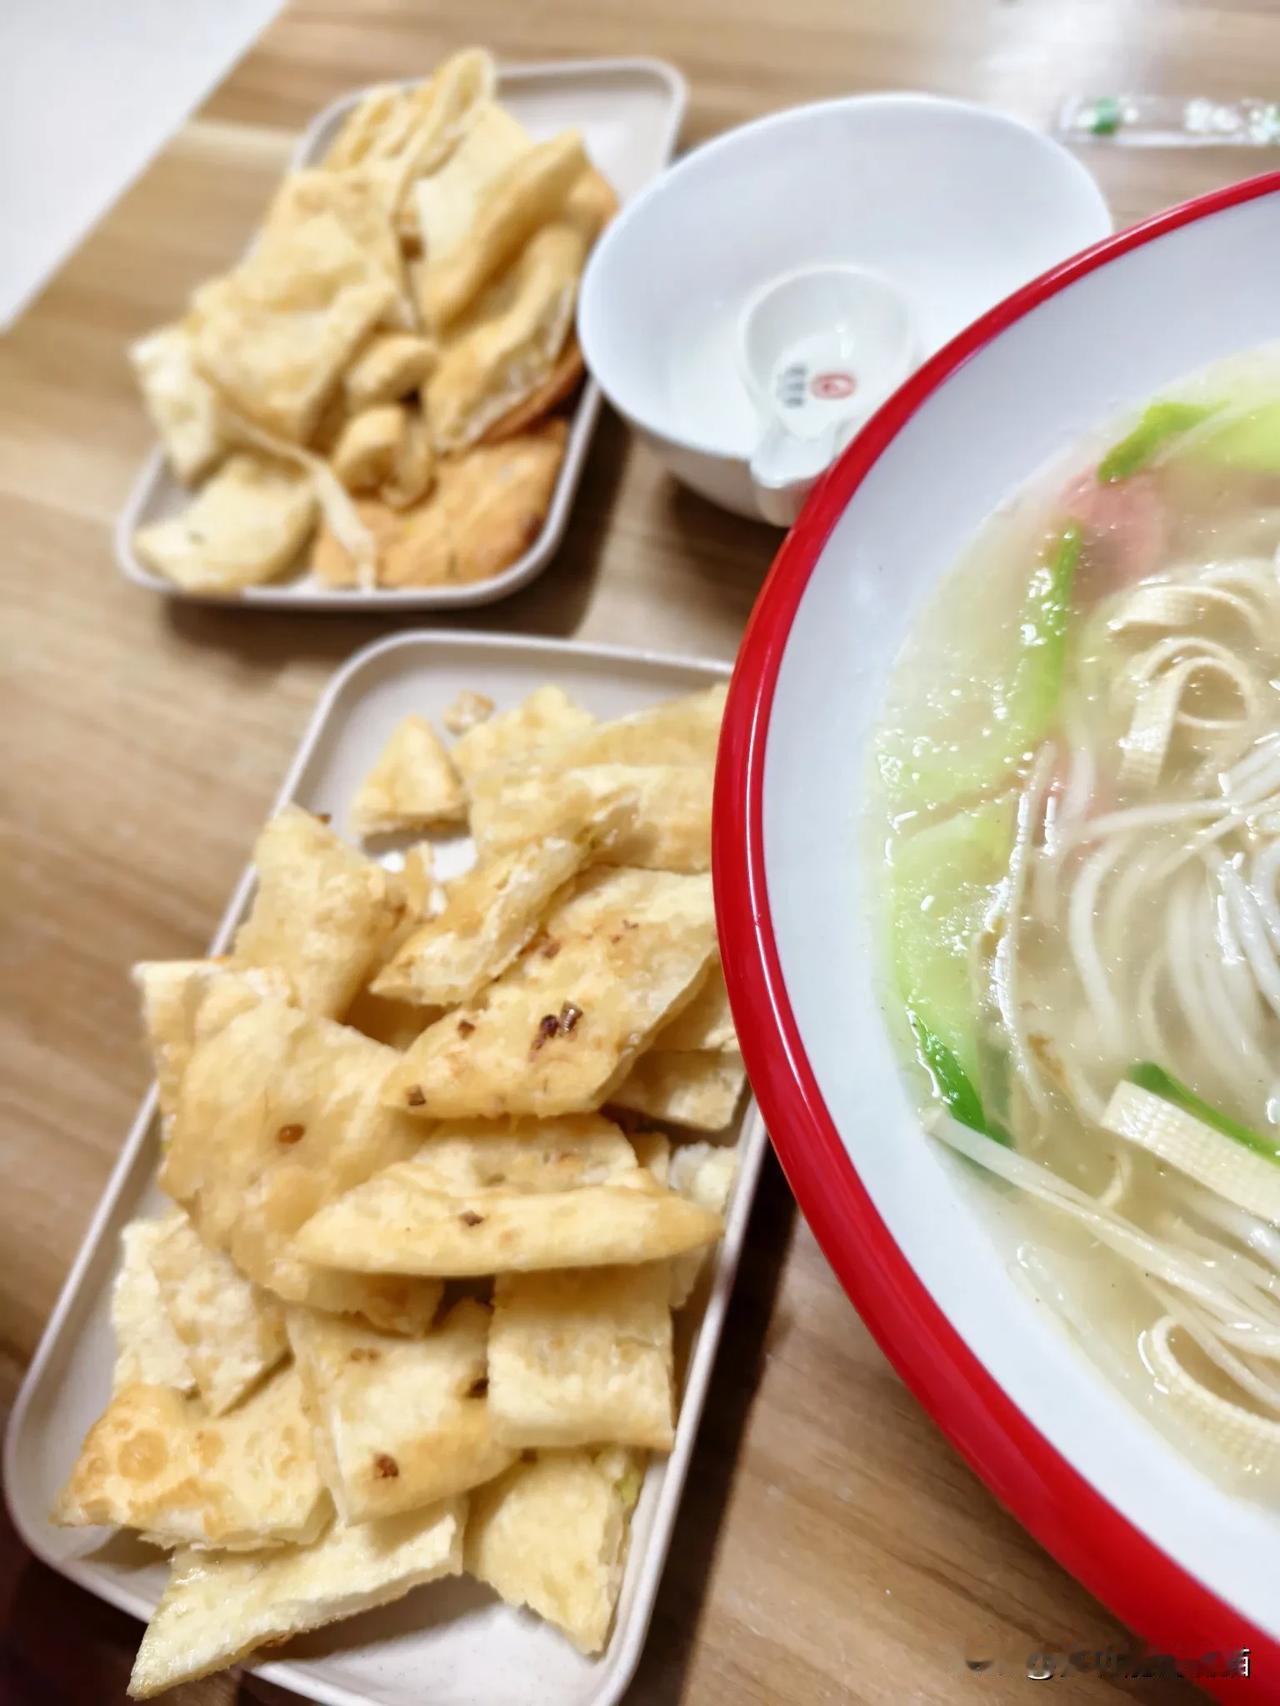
x,y
831,1546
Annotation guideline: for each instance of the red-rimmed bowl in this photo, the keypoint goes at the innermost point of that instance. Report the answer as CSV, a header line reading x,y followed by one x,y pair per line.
x,y
923,1247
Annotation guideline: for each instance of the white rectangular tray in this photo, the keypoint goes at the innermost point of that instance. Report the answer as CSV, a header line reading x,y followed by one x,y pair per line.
x,y
629,112
450,1643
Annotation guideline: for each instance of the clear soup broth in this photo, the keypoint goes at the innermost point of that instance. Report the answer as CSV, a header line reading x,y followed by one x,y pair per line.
x,y
1079,791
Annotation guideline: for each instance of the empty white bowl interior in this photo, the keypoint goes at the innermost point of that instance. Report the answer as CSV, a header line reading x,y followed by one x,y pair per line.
x,y
953,204
1112,338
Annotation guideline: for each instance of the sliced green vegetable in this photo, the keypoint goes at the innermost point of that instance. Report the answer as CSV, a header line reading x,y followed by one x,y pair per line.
x,y
952,1084
1160,423
1148,1076
1037,679
1250,443
942,881
1246,442
1005,707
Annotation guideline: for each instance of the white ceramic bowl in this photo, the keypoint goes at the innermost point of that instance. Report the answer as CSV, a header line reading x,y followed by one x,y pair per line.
x,y
955,204
922,1244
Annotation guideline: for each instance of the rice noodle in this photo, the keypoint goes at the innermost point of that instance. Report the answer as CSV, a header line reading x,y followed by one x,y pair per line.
x,y
1215,1254
1198,1327
1265,758
1251,1440
1252,932
1262,886
1234,1046
1043,1283
1109,824
1217,1014
1065,808
1084,947
1236,817
1234,967
1083,1097
1235,1223
1079,790
1154,1039
1117,1186
1009,908
1247,1337
1196,976
1149,1255
1123,894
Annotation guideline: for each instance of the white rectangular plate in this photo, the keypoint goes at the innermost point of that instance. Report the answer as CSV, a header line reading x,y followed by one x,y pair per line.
x,y
629,112
449,1643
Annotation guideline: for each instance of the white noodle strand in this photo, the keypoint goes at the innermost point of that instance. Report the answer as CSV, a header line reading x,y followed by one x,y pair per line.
x,y
1147,1254
1009,908
1081,912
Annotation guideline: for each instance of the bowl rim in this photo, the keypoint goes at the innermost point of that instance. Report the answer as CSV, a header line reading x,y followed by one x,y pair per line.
x,y
1116,1561
589,316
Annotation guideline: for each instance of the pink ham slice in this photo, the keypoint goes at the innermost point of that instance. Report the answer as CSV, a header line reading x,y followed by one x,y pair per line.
x,y
1125,532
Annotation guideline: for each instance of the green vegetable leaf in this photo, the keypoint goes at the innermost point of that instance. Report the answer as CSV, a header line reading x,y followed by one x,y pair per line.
x,y
1160,423
952,1083
1037,682
1004,708
1148,1076
939,888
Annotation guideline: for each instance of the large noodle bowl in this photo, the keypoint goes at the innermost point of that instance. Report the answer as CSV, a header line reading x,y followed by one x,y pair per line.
x,y
1079,773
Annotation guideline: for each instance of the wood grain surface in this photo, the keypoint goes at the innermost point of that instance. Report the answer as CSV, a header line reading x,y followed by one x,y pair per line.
x,y
831,1547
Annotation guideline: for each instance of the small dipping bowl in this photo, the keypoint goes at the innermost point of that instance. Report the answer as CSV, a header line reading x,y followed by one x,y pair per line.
x,y
951,205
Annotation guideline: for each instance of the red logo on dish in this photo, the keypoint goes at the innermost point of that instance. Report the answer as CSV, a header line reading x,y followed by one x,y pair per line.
x,y
830,385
